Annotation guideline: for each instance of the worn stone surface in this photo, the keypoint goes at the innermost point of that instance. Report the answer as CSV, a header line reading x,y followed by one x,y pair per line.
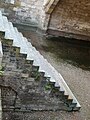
x,y
31,11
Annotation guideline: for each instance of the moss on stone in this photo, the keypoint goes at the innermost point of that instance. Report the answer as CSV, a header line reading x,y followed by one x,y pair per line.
x,y
2,34
48,86
37,76
1,71
7,42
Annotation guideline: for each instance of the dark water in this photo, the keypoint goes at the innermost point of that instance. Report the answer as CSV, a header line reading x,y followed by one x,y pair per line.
x,y
75,52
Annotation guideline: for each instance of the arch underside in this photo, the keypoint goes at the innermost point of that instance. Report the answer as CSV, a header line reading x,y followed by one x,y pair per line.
x,y
50,5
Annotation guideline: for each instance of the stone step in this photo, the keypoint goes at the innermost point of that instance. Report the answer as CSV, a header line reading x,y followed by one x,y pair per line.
x,y
8,34
23,48
1,23
14,37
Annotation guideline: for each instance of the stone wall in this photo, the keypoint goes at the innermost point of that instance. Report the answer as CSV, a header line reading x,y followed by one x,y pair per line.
x,y
28,12
32,11
71,17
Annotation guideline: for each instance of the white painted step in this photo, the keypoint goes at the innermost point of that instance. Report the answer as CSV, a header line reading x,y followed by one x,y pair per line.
x,y
7,28
1,23
12,31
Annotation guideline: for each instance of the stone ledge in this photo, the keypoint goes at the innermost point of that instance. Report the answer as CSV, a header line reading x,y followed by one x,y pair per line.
x,y
57,33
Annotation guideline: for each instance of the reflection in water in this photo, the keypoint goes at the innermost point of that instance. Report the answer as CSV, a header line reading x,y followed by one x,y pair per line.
x,y
64,50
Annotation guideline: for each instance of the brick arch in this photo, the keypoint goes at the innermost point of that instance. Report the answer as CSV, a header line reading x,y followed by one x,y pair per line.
x,y
50,5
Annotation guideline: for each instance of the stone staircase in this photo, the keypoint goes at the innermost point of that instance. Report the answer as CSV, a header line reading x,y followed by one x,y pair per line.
x,y
21,59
